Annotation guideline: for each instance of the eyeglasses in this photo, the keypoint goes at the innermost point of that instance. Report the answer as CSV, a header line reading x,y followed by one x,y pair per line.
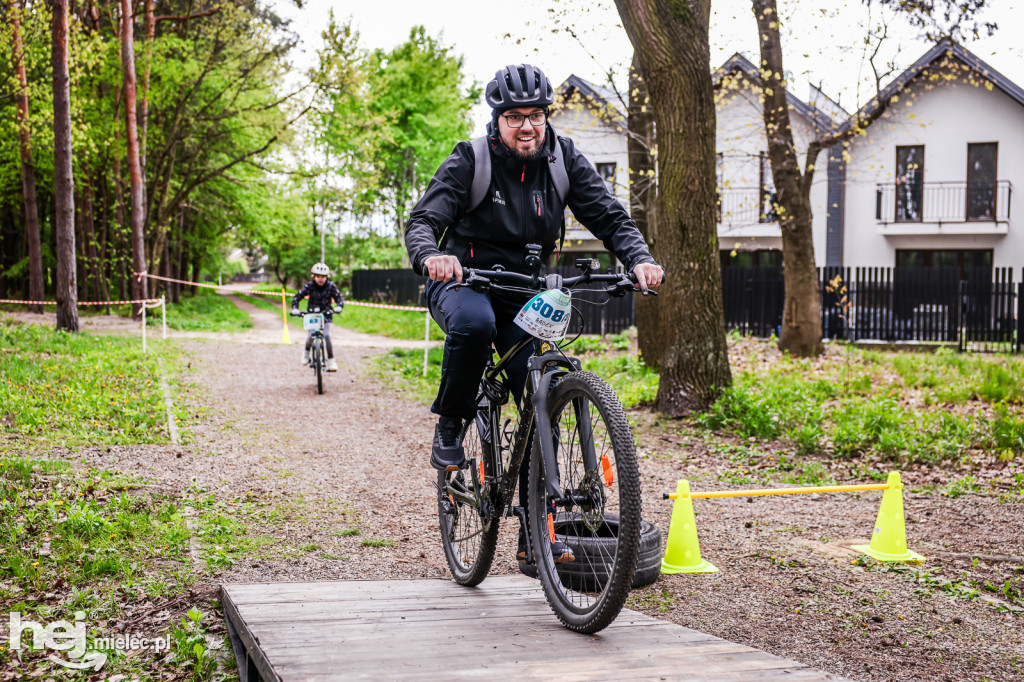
x,y
537,118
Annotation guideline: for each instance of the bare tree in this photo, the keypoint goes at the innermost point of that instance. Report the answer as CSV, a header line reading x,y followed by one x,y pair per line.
x,y
63,176
132,138
670,39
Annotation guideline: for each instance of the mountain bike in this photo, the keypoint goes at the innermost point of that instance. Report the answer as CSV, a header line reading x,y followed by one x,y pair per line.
x,y
314,320
584,486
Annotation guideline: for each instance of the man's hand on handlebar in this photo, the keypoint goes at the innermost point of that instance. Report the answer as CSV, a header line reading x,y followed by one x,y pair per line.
x,y
443,268
648,276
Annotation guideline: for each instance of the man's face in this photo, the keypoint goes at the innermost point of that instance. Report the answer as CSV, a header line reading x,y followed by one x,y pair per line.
x,y
525,142
320,279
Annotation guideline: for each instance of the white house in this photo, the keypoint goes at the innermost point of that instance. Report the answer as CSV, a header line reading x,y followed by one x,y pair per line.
x,y
929,183
748,233
595,118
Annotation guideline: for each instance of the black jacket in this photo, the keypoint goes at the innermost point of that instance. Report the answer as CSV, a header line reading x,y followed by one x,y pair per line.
x,y
520,208
319,297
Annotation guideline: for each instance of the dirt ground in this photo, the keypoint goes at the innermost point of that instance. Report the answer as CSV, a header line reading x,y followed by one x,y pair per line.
x,y
356,457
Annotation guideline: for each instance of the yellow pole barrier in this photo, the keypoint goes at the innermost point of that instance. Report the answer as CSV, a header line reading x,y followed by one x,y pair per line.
x,y
784,491
285,339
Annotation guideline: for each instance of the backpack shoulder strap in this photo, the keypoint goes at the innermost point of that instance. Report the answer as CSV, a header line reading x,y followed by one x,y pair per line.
x,y
559,175
481,172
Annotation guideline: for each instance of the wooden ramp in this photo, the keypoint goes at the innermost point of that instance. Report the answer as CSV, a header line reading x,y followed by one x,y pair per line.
x,y
436,629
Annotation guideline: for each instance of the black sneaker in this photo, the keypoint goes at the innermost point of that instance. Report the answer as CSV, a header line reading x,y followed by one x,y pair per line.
x,y
447,453
560,551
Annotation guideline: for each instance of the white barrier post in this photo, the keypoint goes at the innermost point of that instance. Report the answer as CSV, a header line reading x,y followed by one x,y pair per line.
x,y
144,350
426,340
163,310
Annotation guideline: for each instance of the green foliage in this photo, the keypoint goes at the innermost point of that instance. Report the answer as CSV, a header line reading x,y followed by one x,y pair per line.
x,y
390,117
873,412
188,643
207,311
72,389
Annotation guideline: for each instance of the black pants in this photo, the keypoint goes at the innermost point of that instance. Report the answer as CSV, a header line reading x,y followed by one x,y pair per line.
x,y
473,321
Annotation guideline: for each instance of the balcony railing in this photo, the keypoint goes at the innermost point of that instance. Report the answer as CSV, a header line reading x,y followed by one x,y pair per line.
x,y
745,206
943,202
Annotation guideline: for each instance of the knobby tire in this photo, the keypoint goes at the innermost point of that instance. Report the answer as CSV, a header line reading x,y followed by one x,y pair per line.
x,y
469,540
588,593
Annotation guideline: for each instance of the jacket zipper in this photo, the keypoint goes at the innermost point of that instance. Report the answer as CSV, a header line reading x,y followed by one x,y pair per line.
x,y
471,249
538,206
523,178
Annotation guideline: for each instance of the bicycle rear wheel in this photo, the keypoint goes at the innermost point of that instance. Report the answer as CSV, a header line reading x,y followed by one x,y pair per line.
x,y
318,365
600,499
469,538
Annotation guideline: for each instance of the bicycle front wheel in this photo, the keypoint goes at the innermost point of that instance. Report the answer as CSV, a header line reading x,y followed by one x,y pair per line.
x,y
598,512
469,537
318,365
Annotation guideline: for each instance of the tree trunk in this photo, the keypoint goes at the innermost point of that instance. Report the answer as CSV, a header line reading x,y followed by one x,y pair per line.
x,y
89,237
139,287
801,318
36,289
63,177
640,145
670,39
144,108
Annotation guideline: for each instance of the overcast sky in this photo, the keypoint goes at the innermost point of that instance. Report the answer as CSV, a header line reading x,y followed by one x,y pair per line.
x,y
820,37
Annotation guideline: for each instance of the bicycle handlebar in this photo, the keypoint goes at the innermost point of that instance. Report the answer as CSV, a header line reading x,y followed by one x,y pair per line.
x,y
295,312
483,279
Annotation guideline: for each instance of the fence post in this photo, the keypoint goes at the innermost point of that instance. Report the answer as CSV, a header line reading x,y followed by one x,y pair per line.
x,y
144,349
426,340
163,311
961,331
1020,316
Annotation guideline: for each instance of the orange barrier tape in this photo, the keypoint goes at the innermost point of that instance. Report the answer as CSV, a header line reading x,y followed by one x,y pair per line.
x,y
142,300
385,306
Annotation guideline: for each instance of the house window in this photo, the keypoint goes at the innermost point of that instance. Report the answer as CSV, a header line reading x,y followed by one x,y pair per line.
x,y
765,258
964,260
981,181
607,172
909,184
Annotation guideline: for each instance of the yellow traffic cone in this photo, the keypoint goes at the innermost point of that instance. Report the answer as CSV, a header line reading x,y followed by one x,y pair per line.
x,y
889,539
285,338
682,549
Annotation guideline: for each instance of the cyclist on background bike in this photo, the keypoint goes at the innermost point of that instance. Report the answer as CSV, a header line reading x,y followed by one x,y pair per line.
x,y
520,208
321,292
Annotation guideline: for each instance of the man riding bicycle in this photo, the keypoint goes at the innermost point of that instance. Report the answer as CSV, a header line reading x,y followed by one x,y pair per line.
x,y
321,293
520,207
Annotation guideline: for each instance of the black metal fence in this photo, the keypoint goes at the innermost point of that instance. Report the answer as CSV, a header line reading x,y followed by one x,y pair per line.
x,y
400,286
980,309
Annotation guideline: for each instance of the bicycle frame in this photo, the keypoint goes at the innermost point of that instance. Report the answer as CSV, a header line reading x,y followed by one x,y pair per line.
x,y
545,366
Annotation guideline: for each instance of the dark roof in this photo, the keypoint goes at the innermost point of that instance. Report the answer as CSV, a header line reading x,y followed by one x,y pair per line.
x,y
739,63
601,96
945,47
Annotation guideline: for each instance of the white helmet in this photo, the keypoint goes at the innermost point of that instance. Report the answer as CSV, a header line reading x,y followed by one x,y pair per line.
x,y
321,269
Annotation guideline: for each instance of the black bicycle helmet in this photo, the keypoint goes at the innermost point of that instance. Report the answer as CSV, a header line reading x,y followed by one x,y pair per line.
x,y
519,85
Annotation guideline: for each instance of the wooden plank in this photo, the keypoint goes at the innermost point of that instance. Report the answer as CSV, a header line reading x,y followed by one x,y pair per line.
x,y
420,629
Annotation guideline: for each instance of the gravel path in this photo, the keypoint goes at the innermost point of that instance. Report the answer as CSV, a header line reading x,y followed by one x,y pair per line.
x,y
355,459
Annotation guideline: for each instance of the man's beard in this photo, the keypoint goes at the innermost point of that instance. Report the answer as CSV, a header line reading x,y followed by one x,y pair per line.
x,y
531,155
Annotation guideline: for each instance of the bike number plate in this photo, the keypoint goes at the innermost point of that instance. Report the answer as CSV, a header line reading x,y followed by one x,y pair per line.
x,y
546,316
313,321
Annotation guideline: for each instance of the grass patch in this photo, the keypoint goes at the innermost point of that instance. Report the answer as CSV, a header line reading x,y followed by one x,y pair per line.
x,y
75,389
377,542
205,311
898,407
